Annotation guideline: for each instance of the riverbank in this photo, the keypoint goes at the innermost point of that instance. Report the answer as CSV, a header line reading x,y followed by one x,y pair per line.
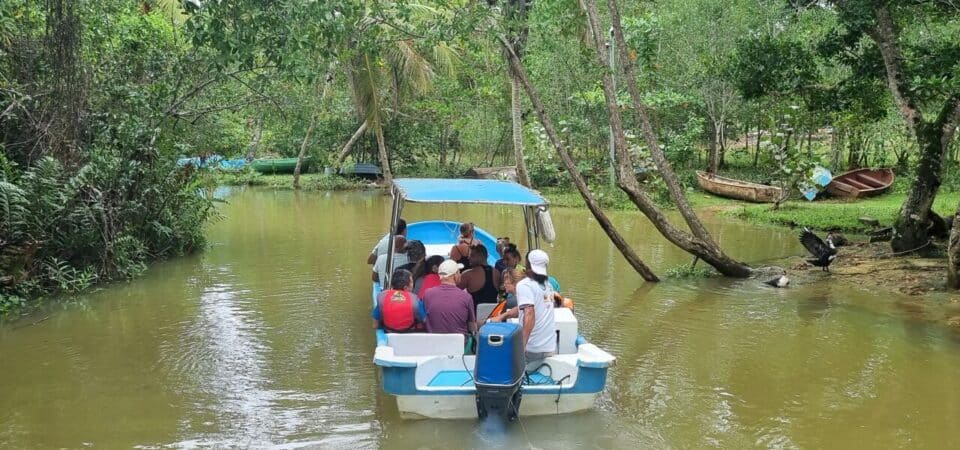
x,y
308,181
826,214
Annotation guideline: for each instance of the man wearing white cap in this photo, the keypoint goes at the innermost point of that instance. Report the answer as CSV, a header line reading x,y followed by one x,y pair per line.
x,y
535,303
449,308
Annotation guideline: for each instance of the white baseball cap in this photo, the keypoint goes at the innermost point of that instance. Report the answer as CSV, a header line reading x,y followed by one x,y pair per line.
x,y
538,260
448,268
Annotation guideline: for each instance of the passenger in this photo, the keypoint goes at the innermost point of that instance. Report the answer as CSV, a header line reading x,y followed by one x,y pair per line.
x,y
416,254
431,279
381,247
510,258
449,308
478,281
535,300
398,309
502,243
399,259
508,297
510,279
460,252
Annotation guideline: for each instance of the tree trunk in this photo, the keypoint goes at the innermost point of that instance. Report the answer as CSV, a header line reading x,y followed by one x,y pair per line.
x,y
853,155
255,141
350,143
723,145
953,254
701,244
384,158
515,105
714,149
571,167
303,151
756,154
910,228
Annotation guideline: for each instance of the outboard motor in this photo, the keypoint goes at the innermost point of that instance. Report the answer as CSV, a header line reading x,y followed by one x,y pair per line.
x,y
499,369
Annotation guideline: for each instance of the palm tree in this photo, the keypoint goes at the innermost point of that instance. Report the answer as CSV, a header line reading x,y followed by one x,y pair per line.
x,y
382,71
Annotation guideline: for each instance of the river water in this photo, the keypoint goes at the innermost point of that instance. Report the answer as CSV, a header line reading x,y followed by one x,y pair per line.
x,y
264,340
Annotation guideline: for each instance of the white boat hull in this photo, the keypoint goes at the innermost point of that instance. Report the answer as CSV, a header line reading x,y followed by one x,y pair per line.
x,y
465,407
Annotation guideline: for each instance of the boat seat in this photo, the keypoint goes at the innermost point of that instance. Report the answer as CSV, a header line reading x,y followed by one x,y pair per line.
x,y
842,186
425,344
871,180
484,310
858,184
438,249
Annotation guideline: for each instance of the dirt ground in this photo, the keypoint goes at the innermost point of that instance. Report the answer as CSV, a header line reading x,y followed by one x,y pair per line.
x,y
873,264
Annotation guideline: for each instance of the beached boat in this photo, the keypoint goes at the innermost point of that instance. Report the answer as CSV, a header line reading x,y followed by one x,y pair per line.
x,y
861,183
432,377
362,170
737,189
280,165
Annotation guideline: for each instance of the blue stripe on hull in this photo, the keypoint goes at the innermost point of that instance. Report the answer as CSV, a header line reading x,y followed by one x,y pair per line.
x,y
402,381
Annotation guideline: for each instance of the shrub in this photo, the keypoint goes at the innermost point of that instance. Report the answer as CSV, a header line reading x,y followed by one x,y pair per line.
x,y
62,232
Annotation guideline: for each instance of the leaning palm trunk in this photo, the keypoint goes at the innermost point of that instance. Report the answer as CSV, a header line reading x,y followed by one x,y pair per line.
x,y
384,158
303,152
699,243
517,121
571,167
348,147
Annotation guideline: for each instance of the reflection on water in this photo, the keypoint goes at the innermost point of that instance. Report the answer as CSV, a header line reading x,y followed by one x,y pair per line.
x,y
264,340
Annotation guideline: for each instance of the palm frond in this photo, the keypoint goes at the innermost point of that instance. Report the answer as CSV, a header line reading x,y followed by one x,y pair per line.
x,y
413,68
446,58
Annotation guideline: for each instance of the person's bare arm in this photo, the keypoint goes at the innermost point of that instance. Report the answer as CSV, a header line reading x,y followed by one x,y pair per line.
x,y
372,258
455,252
465,279
376,323
508,314
375,277
529,318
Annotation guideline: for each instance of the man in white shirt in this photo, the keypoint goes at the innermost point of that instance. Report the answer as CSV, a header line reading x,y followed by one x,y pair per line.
x,y
381,247
535,303
399,258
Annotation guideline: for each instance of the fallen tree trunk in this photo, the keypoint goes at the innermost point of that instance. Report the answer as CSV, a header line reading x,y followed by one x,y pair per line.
x,y
571,167
656,153
699,243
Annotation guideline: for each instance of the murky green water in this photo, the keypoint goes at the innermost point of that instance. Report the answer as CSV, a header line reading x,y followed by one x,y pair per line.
x,y
264,340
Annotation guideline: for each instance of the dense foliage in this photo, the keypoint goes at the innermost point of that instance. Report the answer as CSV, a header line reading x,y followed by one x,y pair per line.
x,y
89,189
98,99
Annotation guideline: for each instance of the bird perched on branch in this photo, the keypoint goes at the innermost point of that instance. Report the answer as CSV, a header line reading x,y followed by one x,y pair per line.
x,y
823,252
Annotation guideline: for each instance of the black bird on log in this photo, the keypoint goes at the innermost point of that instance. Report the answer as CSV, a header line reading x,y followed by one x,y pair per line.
x,y
823,252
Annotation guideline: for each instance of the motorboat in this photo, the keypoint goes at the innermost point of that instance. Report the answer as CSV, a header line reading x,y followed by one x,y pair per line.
x,y
431,376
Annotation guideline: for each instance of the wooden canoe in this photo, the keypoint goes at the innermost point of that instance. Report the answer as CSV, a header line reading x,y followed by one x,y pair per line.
x,y
737,189
861,183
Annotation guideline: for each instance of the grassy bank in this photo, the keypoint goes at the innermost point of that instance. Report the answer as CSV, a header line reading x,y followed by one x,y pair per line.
x,y
821,214
308,181
837,214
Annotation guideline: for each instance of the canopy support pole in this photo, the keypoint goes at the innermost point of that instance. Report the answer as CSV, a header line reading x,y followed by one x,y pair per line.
x,y
394,218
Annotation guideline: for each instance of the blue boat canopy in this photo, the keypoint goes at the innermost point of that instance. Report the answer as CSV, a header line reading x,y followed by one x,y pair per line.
x,y
441,190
